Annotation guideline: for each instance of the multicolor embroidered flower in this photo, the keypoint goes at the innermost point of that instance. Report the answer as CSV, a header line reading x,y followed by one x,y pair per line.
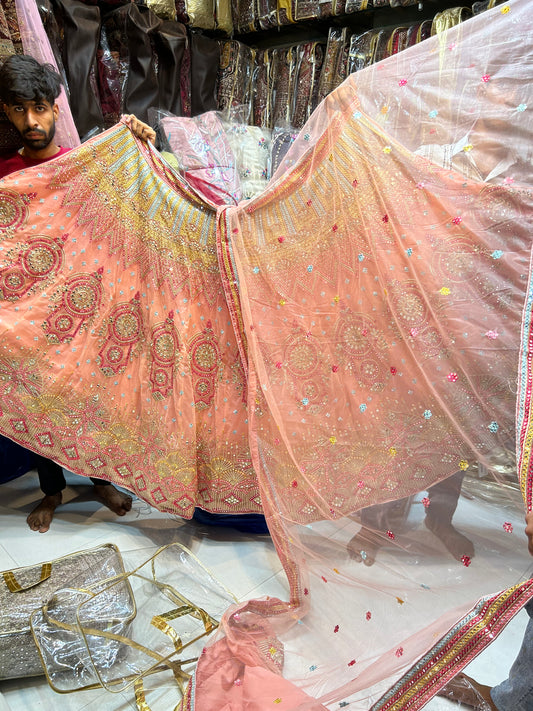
x,y
387,149
309,268
368,615
426,502
493,335
452,377
391,535
362,407
497,254
452,46
334,368
494,426
402,82
282,302
457,220
357,114
305,401
445,291
384,110
335,228
360,257
281,239
279,364
255,270
485,78
505,9
399,652
509,180
463,465
393,451
427,414
466,560
294,484
385,218
521,107
468,147
332,440
409,251
413,332
309,203
433,113
360,484
238,682
420,185
393,370
336,299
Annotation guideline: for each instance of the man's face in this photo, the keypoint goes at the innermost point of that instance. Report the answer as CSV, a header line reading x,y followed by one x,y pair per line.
x,y
35,121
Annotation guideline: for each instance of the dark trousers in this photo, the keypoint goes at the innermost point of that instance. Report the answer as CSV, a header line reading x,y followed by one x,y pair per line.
x,y
51,478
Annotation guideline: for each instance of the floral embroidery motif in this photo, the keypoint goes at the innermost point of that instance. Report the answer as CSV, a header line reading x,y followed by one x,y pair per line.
x,y
124,332
402,82
79,303
164,351
508,527
452,377
205,361
465,560
494,426
13,210
485,78
40,260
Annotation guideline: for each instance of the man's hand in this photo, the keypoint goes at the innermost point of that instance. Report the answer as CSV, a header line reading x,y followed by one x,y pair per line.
x,y
140,129
529,532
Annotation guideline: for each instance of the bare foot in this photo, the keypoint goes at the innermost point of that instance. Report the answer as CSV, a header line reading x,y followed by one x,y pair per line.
x,y
42,515
114,499
464,690
457,544
363,547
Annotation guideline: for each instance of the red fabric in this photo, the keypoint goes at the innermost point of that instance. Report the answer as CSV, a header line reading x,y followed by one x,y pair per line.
x,y
14,161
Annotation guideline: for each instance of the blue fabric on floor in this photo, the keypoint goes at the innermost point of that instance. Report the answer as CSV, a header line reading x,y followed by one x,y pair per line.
x,y
246,523
14,460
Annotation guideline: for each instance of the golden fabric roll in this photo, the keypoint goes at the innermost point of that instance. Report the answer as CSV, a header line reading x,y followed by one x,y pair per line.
x,y
449,18
165,9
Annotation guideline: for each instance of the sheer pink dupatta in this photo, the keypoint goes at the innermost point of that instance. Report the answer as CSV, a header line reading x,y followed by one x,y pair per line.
x,y
385,302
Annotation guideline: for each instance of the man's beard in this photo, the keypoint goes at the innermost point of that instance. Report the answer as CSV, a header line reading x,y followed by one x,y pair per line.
x,y
38,144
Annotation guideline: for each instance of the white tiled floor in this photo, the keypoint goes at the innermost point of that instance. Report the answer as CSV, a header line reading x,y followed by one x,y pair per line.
x,y
247,565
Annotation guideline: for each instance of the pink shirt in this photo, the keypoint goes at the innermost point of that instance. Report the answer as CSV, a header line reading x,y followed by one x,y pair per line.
x,y
14,161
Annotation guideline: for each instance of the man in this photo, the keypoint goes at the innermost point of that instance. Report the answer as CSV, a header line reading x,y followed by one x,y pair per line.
x,y
28,91
516,692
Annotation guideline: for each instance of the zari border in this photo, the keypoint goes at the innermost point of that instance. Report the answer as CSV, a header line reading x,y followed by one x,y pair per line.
x,y
470,636
524,419
230,283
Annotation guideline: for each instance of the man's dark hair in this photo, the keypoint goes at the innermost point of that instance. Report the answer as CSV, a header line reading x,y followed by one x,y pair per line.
x,y
22,78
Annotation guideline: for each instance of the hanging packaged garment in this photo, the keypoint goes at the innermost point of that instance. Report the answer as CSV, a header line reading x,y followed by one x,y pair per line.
x,y
24,590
